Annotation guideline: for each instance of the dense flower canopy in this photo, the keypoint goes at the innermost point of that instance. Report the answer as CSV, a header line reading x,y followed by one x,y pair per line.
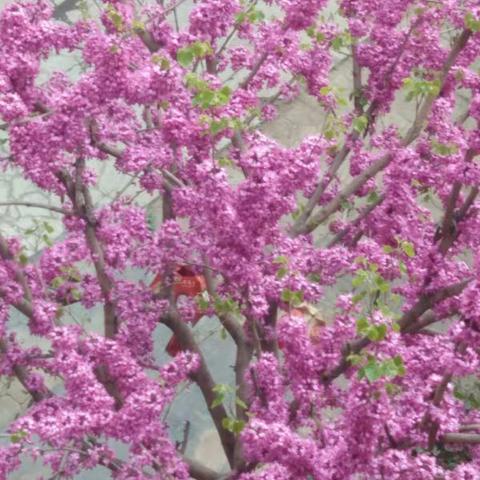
x,y
369,389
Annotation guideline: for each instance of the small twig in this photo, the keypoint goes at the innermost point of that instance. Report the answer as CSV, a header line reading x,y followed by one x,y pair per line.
x,y
234,30
186,433
254,71
469,426
63,211
364,214
460,438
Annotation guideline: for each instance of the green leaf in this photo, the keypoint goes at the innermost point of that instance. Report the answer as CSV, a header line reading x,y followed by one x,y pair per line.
x,y
373,197
224,306
193,81
359,297
138,26
76,294
233,425
223,96
362,325
162,62
381,331
282,272
201,49
48,227
238,426
355,359
218,126
372,371
227,423
241,403
58,282
18,436
203,303
398,360
467,389
47,240
359,124
115,18
326,90
382,284
204,98
252,16
408,248
471,22
293,298
281,260
341,41
185,57
217,402
241,17
222,388
389,369
225,162
442,149
256,16
360,278
419,87
23,259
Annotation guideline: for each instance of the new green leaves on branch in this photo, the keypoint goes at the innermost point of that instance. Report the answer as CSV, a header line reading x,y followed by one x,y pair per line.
x,y
417,87
359,124
205,96
252,15
375,369
472,23
375,333
186,55
293,298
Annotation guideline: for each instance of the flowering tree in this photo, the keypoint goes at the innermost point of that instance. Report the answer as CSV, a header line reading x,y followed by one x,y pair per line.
x,y
264,230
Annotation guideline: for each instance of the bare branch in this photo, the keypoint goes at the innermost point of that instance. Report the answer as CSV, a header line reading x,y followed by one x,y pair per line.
x,y
201,472
364,214
461,438
469,426
63,211
437,400
254,71
202,378
117,153
357,82
22,376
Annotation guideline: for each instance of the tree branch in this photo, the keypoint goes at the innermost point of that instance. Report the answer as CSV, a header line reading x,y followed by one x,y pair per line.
x,y
426,302
364,214
201,472
63,211
118,153
254,71
22,376
461,438
384,161
202,378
